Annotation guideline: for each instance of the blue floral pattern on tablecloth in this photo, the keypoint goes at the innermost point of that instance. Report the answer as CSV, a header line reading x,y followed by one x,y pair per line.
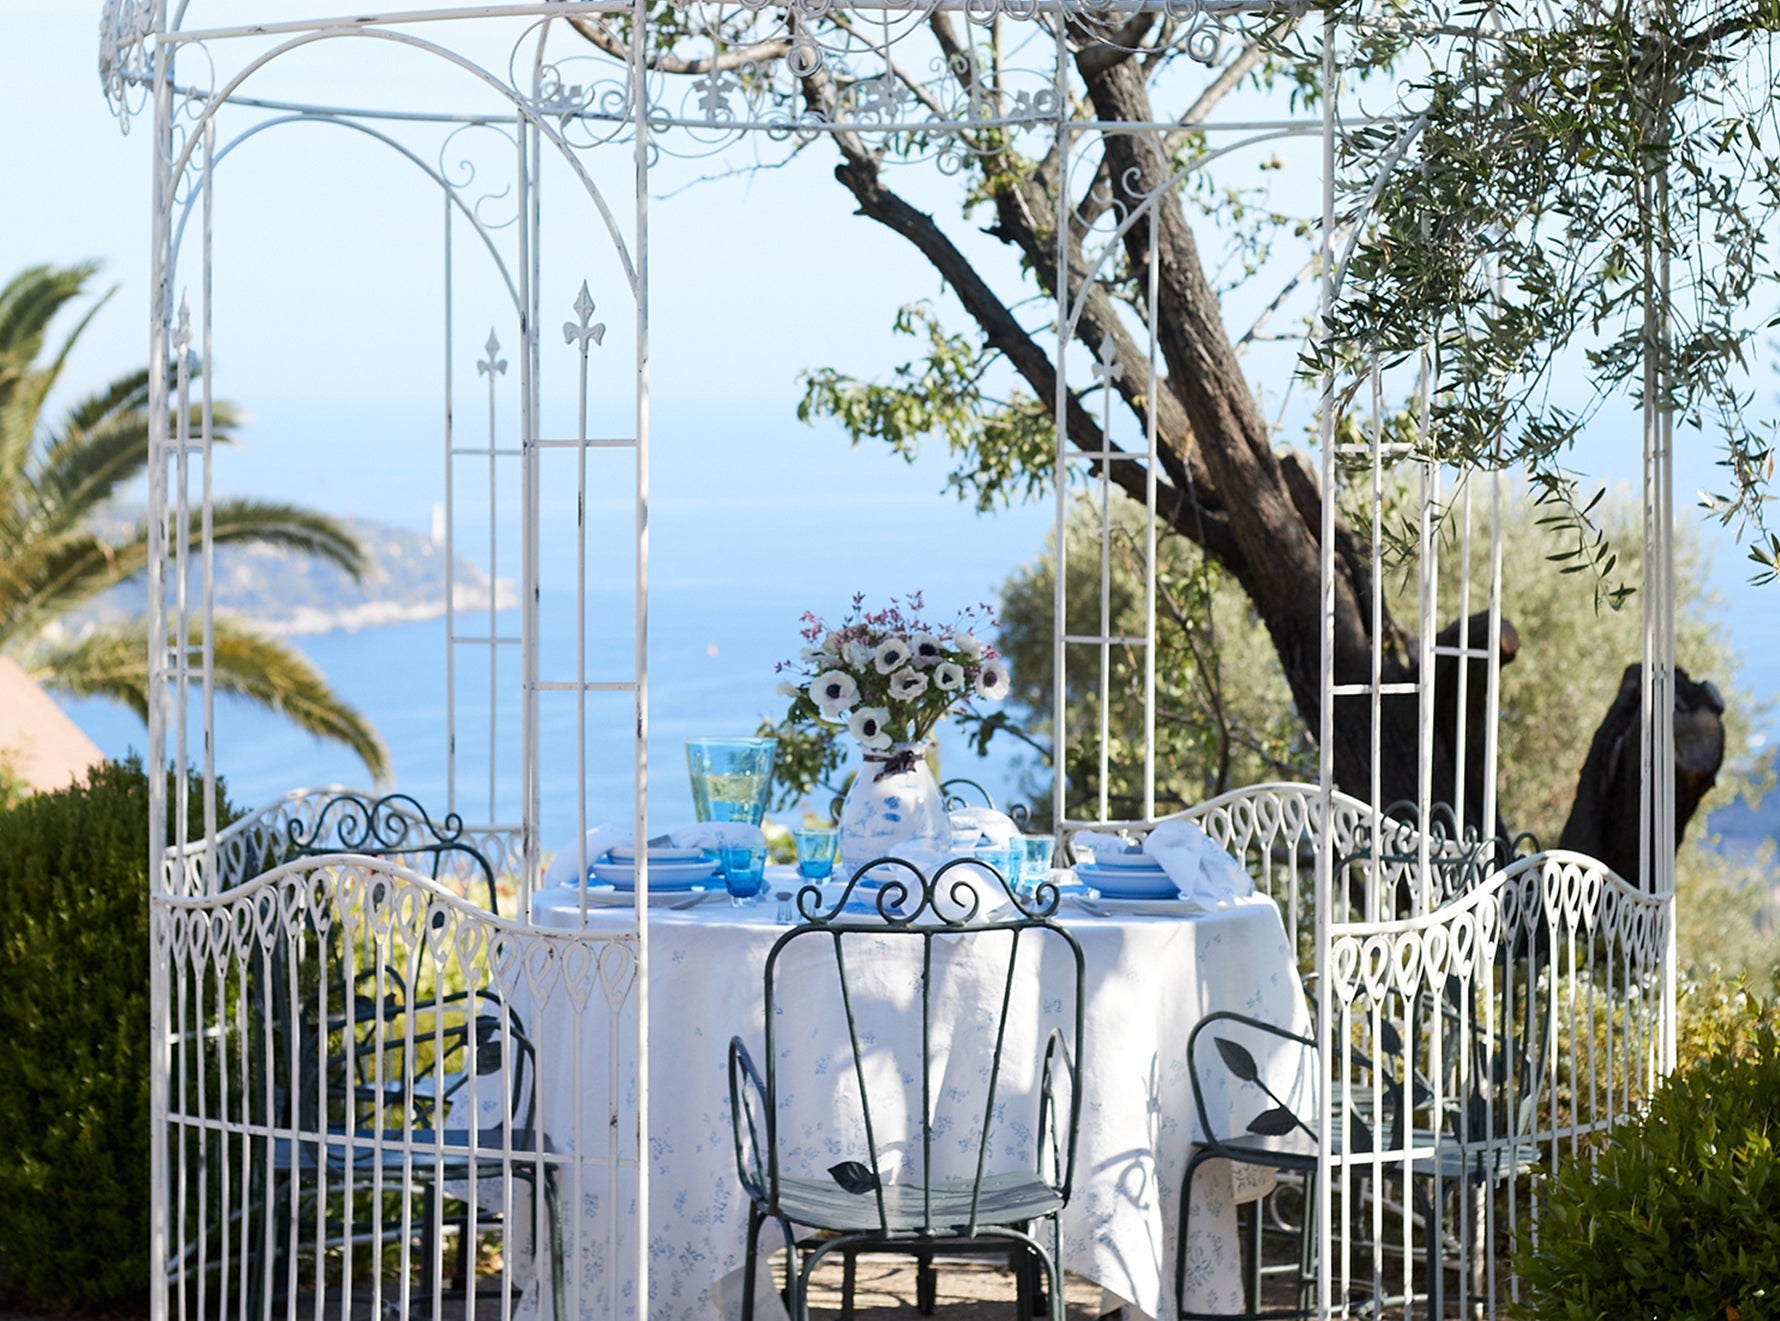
x,y
1148,981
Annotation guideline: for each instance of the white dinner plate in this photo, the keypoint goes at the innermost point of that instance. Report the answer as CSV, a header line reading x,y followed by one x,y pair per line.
x,y
658,854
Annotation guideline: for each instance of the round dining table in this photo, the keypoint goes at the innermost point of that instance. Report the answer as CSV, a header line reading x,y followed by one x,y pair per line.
x,y
1151,972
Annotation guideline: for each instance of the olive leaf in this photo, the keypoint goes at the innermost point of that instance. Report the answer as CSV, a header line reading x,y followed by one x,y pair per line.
x,y
854,1177
1238,1060
1273,1123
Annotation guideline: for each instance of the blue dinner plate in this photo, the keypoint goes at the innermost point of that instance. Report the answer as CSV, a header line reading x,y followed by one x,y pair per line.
x,y
1128,882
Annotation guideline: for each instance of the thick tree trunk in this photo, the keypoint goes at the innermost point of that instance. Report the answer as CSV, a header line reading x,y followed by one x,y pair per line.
x,y
1277,519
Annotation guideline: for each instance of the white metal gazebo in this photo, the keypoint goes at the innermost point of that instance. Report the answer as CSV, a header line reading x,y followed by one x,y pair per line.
x,y
1530,996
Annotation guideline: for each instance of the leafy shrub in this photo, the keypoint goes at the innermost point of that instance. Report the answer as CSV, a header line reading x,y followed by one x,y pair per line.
x,y
74,1042
1680,1215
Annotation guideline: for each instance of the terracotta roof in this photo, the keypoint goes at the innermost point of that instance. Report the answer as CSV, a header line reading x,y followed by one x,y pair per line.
x,y
42,745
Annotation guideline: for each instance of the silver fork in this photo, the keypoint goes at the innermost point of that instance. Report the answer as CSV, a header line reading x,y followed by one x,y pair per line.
x,y
1092,910
692,901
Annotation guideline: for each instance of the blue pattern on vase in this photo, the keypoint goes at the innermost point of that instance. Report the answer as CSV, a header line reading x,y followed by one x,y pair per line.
x,y
894,802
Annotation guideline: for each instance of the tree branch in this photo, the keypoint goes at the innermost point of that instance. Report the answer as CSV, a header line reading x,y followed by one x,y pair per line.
x,y
1226,82
741,57
1119,45
861,175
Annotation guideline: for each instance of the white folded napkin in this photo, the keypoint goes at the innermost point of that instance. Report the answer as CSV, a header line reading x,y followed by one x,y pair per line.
x,y
717,834
1099,842
1204,872
561,870
976,827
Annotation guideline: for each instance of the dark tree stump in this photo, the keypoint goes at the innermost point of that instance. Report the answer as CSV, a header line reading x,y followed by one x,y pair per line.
x,y
1604,817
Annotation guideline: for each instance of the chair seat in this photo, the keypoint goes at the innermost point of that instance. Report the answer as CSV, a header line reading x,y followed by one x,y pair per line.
x,y
448,1154
1006,1199
1477,1162
1291,1151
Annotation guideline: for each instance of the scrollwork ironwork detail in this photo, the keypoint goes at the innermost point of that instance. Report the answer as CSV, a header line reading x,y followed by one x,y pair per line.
x,y
125,56
902,895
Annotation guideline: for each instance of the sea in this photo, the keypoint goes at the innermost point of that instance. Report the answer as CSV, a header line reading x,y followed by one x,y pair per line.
x,y
713,653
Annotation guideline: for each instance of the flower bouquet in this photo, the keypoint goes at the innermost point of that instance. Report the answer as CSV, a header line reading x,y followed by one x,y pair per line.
x,y
888,678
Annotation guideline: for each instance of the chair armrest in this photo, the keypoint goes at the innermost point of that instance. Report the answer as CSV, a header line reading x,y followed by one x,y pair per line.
x,y
747,1112
1058,1137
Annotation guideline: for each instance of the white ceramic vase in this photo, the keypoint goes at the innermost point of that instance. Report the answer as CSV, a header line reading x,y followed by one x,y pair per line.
x,y
893,804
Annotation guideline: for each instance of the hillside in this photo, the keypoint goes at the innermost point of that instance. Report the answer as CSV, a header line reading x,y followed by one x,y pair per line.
x,y
295,595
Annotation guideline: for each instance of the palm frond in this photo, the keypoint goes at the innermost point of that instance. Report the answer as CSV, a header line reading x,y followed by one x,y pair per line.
x,y
112,662
292,528
30,302
127,394
43,379
45,578
83,468
54,481
27,305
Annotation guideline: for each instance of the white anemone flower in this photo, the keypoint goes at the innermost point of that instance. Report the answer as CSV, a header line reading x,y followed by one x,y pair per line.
x,y
948,675
907,684
867,725
969,643
927,649
789,689
833,692
859,655
814,656
993,681
892,654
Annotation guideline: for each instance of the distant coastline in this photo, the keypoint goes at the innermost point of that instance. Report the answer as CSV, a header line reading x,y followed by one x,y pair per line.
x,y
293,595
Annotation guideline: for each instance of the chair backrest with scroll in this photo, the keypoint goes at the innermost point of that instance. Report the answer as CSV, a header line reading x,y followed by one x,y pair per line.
x,y
934,1023
398,828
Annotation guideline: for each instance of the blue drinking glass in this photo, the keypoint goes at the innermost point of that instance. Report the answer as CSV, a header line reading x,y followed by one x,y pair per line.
x,y
744,871
1035,860
731,777
815,852
1005,858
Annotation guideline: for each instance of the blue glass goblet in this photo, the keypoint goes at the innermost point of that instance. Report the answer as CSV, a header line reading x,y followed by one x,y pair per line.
x,y
744,872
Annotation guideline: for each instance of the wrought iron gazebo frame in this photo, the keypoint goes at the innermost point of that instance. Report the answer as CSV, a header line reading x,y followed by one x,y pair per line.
x,y
218,917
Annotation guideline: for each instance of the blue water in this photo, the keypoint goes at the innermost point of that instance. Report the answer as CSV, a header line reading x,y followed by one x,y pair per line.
x,y
712,653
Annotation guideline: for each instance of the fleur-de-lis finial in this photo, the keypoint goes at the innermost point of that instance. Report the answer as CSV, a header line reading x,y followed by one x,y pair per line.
x,y
1108,368
182,334
588,329
492,366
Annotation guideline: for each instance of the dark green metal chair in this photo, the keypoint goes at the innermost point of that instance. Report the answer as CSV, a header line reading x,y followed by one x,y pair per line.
x,y
1275,1138
985,1161
397,1071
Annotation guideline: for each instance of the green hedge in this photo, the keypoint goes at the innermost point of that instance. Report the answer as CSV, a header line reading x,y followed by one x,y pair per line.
x,y
1680,1217
74,1180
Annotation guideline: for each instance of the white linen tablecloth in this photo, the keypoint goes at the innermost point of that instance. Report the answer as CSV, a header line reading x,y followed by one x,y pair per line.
x,y
1148,981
